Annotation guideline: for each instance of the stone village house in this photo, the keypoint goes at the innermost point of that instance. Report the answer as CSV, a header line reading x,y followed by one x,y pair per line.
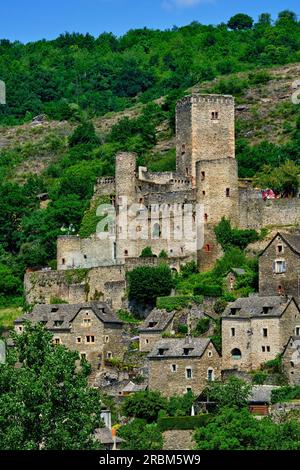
x,y
256,329
91,329
279,266
157,323
177,366
291,359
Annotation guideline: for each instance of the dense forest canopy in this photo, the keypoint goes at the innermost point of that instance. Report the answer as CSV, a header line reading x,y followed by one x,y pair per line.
x,y
108,73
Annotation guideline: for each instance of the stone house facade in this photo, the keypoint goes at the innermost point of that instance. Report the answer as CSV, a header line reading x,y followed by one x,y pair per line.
x,y
291,359
256,329
279,266
177,366
157,323
91,329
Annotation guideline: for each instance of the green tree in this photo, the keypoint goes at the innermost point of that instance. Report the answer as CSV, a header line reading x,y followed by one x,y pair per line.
x,y
235,392
240,21
139,435
148,283
84,134
147,252
45,402
145,405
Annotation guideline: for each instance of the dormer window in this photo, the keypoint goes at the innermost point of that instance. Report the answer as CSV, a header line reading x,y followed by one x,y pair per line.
x,y
161,351
58,322
187,351
266,310
54,309
152,324
234,311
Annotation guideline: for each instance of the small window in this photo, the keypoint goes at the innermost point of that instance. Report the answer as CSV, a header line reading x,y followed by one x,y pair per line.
x,y
90,339
232,332
183,149
292,364
268,349
206,217
63,261
106,339
78,340
146,341
203,193
21,328
210,375
57,341
236,354
187,171
188,389
297,331
207,248
227,192
210,354
85,257
108,355
279,266
126,253
189,373
215,115
280,290
265,332
202,175
83,355
279,249
263,348
173,367
87,321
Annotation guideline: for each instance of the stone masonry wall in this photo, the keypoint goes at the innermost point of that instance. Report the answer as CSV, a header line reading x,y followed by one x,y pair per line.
x,y
170,383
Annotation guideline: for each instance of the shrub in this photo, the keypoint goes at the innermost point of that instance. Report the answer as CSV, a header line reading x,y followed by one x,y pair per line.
x,y
220,306
163,254
145,405
127,317
147,252
284,394
259,378
182,329
208,290
84,134
182,422
202,327
177,302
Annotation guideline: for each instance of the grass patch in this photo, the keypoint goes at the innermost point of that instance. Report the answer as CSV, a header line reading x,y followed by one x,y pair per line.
x,y
8,316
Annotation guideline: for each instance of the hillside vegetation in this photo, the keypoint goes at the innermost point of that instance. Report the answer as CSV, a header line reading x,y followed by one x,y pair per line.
x,y
97,96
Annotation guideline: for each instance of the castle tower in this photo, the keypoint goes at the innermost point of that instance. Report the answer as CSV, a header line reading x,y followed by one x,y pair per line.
x,y
204,131
206,151
125,197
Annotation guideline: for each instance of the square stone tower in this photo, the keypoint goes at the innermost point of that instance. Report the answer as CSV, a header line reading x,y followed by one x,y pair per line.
x,y
204,130
206,152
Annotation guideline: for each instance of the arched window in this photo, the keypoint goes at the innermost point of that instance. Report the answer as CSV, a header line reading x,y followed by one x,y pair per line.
x,y
236,354
210,375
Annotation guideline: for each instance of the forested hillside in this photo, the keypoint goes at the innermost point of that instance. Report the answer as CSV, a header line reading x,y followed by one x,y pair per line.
x,y
101,95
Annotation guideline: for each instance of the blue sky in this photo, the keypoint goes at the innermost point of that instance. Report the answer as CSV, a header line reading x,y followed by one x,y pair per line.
x,y
29,20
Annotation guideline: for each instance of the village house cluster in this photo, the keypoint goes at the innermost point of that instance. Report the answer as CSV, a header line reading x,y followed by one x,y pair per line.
x,y
254,329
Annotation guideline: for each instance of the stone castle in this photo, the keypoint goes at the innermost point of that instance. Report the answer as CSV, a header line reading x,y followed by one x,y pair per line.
x,y
206,176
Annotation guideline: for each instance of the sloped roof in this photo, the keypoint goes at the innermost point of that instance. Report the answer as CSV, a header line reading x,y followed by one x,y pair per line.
x,y
176,347
261,393
59,317
253,306
161,319
291,239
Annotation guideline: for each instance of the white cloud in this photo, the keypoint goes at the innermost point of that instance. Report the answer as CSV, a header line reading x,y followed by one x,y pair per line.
x,y
169,4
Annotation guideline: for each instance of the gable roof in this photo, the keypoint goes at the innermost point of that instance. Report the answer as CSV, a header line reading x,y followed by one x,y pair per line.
x,y
296,343
253,306
132,388
59,317
291,239
160,318
174,348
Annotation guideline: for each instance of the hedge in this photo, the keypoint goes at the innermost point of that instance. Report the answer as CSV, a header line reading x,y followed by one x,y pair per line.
x,y
182,422
209,290
178,302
